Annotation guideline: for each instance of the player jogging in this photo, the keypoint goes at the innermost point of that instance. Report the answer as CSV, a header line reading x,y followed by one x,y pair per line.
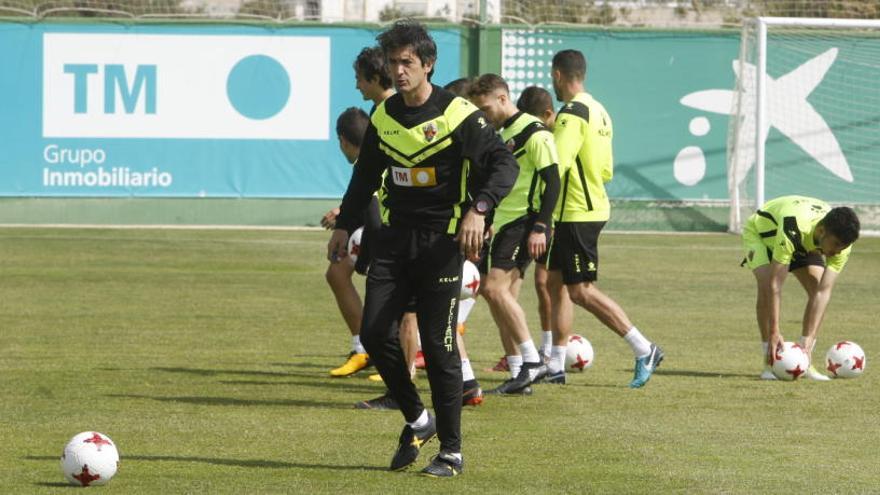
x,y
537,101
583,135
521,225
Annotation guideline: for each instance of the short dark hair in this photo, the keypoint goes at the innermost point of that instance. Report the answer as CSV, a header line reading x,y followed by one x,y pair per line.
x,y
486,84
370,64
535,100
842,223
407,32
571,63
352,124
459,87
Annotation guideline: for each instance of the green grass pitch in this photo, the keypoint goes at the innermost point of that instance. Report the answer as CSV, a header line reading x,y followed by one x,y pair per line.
x,y
205,356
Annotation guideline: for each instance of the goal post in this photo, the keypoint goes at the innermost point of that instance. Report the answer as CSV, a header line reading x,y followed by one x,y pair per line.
x,y
806,115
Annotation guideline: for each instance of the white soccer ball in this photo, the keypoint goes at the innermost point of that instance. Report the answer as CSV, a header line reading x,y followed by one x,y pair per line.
x,y
89,458
578,354
470,280
845,360
354,245
791,363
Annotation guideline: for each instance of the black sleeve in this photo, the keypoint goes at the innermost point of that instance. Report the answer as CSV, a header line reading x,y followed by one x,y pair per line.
x,y
365,180
495,168
552,186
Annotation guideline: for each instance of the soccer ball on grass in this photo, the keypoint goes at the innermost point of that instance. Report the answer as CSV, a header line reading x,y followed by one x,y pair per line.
x,y
89,458
791,363
845,359
578,354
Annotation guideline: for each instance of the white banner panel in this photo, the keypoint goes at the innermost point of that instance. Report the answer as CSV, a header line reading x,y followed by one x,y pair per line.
x,y
185,86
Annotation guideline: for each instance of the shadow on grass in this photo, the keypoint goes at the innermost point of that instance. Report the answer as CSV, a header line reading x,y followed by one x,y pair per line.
x,y
56,484
703,374
230,401
247,463
339,384
253,463
300,364
213,372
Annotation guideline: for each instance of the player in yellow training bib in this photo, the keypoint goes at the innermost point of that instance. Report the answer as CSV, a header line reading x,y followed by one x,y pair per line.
x,y
808,238
583,135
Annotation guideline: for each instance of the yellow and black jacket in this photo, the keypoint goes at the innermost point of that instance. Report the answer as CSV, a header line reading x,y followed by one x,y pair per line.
x,y
438,156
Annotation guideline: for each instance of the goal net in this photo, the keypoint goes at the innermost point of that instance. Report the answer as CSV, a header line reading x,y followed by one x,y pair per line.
x,y
806,116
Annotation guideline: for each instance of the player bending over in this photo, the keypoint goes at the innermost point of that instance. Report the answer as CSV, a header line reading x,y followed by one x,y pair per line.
x,y
808,238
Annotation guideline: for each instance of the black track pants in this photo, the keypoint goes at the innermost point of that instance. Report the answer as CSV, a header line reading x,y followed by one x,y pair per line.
x,y
425,266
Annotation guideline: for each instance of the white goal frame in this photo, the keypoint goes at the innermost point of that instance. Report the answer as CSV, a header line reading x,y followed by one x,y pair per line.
x,y
760,24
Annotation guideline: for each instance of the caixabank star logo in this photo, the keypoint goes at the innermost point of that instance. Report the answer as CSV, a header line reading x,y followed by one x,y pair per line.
x,y
185,86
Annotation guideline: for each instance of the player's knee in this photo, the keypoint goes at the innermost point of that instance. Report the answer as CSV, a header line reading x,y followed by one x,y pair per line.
x,y
582,295
492,291
541,286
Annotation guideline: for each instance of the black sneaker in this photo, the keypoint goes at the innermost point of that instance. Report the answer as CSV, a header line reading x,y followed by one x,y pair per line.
x,y
472,394
444,465
411,440
510,387
384,401
528,374
557,378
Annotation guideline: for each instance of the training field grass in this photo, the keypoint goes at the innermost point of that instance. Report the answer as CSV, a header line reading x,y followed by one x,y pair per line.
x,y
205,356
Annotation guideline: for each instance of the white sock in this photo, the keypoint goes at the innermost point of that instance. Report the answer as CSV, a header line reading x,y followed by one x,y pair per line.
x,y
422,421
515,364
467,373
464,309
456,455
356,345
641,346
557,359
529,352
546,342
765,346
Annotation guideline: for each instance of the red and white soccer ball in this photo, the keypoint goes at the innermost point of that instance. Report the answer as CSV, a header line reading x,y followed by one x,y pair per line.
x,y
578,354
354,245
470,280
89,458
845,360
791,363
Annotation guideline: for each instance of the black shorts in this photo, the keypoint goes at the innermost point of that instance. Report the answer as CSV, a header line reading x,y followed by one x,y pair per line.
x,y
809,259
575,251
509,247
798,260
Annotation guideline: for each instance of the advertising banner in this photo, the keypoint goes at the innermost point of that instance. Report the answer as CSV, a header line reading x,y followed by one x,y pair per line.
x,y
181,111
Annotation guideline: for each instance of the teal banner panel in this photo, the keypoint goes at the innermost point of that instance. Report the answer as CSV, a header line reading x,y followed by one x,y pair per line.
x,y
181,110
666,147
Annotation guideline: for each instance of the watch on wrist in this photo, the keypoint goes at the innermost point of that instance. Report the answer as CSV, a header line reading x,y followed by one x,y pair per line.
x,y
539,228
481,207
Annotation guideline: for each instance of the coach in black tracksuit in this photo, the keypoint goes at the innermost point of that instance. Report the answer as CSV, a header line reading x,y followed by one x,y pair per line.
x,y
434,148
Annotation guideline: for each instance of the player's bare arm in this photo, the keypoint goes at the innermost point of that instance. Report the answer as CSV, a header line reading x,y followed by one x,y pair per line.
x,y
770,301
